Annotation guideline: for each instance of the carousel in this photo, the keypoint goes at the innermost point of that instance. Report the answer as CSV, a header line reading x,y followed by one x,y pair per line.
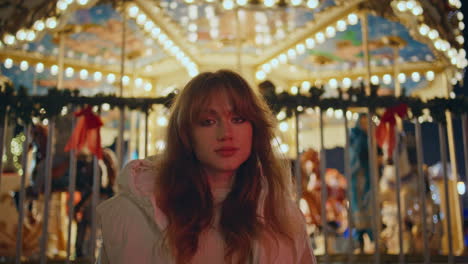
x,y
363,91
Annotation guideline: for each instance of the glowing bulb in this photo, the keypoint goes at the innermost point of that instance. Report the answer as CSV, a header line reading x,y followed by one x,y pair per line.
x,y
8,63
320,37
387,79
330,31
97,76
415,76
347,82
341,25
39,67
111,78
375,80
310,43
69,72
430,75
402,78
424,29
54,69
312,3
83,74
353,19
24,65
283,126
148,87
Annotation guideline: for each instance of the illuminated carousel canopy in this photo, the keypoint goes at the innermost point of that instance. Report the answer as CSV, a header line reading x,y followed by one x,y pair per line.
x,y
297,43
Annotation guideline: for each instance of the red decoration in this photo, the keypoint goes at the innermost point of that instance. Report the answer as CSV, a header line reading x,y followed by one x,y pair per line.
x,y
386,130
86,133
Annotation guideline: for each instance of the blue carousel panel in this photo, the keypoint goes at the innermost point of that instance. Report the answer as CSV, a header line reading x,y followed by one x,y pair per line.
x,y
98,38
214,29
345,52
39,83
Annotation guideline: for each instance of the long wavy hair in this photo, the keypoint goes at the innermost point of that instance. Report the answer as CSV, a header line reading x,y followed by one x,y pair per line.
x,y
183,192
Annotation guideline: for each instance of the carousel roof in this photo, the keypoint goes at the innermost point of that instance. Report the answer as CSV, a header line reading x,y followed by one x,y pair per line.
x,y
295,41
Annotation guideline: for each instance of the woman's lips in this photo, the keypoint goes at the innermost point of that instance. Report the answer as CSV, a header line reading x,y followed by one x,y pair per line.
x,y
226,152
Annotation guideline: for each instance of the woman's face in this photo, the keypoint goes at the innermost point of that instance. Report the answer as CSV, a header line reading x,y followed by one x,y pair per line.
x,y
222,139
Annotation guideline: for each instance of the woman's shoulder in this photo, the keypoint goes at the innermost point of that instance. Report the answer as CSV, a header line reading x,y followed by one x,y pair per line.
x,y
138,177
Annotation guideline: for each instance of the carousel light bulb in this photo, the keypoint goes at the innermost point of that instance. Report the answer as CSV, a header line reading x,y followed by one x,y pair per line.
x,y
149,25
330,112
141,19
333,83
9,39
82,2
189,1
97,76
242,2
155,32
110,78
338,114
461,25
460,15
330,31
410,4
415,76
284,148
62,5
51,22
461,188
125,80
438,44
353,19
269,3
454,61
21,35
375,80
283,58
430,75
349,115
417,10
292,54
274,62
266,67
281,115
162,37
138,82
424,29
31,35
459,76
283,126
305,86
341,25
346,82
433,34
460,39
401,6
40,67
260,75
39,25
162,121
69,2
174,49
83,74
54,69
296,2
300,48
310,43
148,86
69,71
105,107
228,4
294,90
192,27
320,37
24,65
312,4
452,52
387,79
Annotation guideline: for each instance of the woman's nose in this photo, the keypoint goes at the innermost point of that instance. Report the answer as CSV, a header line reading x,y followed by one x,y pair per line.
x,y
224,131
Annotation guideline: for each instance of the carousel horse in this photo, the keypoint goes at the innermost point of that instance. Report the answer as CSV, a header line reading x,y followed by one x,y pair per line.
x,y
60,175
410,205
336,216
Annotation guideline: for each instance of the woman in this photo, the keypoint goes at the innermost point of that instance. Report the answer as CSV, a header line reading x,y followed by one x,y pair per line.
x,y
217,194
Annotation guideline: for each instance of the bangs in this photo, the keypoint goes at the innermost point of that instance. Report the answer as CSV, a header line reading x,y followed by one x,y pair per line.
x,y
240,97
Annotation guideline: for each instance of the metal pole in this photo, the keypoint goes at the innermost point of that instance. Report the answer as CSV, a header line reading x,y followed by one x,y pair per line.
x,y
146,133
365,42
120,139
374,185
422,189
24,167
47,191
347,171
71,194
396,70
465,147
94,202
297,168
3,129
61,56
323,191
238,41
443,152
396,163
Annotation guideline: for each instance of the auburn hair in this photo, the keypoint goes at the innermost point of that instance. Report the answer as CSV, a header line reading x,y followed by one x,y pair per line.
x,y
183,192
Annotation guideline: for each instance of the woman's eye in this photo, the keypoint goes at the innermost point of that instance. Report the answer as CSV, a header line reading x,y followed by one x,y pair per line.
x,y
238,120
207,122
